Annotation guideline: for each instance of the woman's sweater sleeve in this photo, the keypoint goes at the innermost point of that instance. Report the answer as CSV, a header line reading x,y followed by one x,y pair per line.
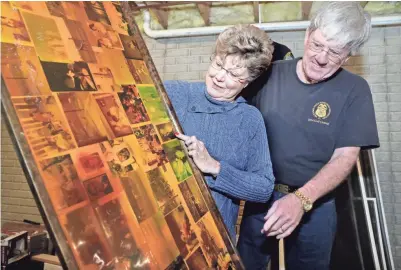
x,y
256,183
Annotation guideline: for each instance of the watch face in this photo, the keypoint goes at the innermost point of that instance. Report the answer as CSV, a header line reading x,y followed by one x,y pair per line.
x,y
307,206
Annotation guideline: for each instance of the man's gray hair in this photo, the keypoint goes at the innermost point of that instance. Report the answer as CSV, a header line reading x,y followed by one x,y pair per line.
x,y
345,23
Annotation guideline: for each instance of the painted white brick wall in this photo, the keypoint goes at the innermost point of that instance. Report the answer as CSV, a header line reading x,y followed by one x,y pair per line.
x,y
187,59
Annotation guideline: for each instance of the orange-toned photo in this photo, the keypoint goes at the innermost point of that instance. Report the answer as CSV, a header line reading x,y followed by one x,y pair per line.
x,y
104,78
182,231
152,151
46,37
22,71
193,198
133,105
89,161
197,260
115,60
131,50
113,115
119,155
44,125
83,117
103,36
98,187
114,12
212,243
74,76
67,10
162,183
139,71
13,28
161,242
38,7
80,38
139,194
116,227
96,12
88,241
62,182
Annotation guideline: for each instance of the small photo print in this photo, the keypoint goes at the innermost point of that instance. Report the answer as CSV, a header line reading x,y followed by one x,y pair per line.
x,y
98,187
139,71
114,10
38,7
88,243
116,227
160,240
133,105
96,12
22,71
13,29
46,37
74,76
153,153
166,131
104,78
89,161
83,117
66,9
80,38
62,182
153,103
103,36
119,155
212,244
182,231
197,261
166,196
114,115
44,125
131,49
178,159
193,198
139,194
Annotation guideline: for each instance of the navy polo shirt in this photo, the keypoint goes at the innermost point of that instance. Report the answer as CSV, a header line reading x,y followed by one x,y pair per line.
x,y
306,122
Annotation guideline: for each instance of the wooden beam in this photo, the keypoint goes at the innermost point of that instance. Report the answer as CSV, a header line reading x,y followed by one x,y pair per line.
x,y
306,8
204,10
162,16
256,11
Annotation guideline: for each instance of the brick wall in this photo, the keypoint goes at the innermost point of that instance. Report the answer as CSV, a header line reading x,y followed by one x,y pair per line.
x,y
187,59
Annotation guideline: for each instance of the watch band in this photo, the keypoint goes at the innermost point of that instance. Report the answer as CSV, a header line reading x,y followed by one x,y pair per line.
x,y
306,202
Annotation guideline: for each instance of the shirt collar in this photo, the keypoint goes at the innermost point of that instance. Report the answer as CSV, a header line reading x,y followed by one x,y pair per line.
x,y
202,102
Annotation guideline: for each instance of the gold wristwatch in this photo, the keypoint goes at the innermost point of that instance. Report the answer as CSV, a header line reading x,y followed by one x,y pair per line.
x,y
306,203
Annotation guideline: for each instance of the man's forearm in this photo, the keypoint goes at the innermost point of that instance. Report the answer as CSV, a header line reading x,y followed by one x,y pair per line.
x,y
332,174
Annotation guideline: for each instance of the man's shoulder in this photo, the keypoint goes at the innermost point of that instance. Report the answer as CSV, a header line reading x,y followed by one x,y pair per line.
x,y
281,52
356,83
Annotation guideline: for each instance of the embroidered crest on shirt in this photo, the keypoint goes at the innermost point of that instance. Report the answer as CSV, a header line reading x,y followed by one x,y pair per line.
x,y
321,111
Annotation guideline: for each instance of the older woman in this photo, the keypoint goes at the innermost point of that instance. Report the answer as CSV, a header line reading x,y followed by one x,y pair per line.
x,y
225,136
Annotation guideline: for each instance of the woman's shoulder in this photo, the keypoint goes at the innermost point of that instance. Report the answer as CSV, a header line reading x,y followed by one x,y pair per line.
x,y
252,117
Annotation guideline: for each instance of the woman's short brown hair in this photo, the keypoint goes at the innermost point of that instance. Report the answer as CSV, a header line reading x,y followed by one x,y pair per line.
x,y
252,45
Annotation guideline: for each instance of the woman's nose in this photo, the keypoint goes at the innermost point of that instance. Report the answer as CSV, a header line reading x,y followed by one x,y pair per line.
x,y
220,76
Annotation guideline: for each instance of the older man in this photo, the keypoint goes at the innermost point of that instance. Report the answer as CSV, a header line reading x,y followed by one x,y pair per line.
x,y
318,116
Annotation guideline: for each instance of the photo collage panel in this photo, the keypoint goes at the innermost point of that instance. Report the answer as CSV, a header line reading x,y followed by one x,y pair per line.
x,y
119,181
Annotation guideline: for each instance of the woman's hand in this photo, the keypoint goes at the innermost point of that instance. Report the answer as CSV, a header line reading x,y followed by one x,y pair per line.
x,y
199,154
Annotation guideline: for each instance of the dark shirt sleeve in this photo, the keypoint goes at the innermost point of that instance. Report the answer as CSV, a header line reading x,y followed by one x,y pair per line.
x,y
256,182
358,126
281,52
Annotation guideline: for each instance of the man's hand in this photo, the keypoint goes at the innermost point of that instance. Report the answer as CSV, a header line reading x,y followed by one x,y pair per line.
x,y
199,154
283,217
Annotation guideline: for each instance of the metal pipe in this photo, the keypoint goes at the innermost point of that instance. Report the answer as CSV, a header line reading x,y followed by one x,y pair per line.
x,y
269,27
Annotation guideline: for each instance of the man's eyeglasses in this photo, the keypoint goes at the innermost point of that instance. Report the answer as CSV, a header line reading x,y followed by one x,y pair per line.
x,y
334,56
230,73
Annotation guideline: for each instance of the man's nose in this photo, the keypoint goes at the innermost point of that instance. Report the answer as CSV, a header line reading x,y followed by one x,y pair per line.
x,y
323,57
